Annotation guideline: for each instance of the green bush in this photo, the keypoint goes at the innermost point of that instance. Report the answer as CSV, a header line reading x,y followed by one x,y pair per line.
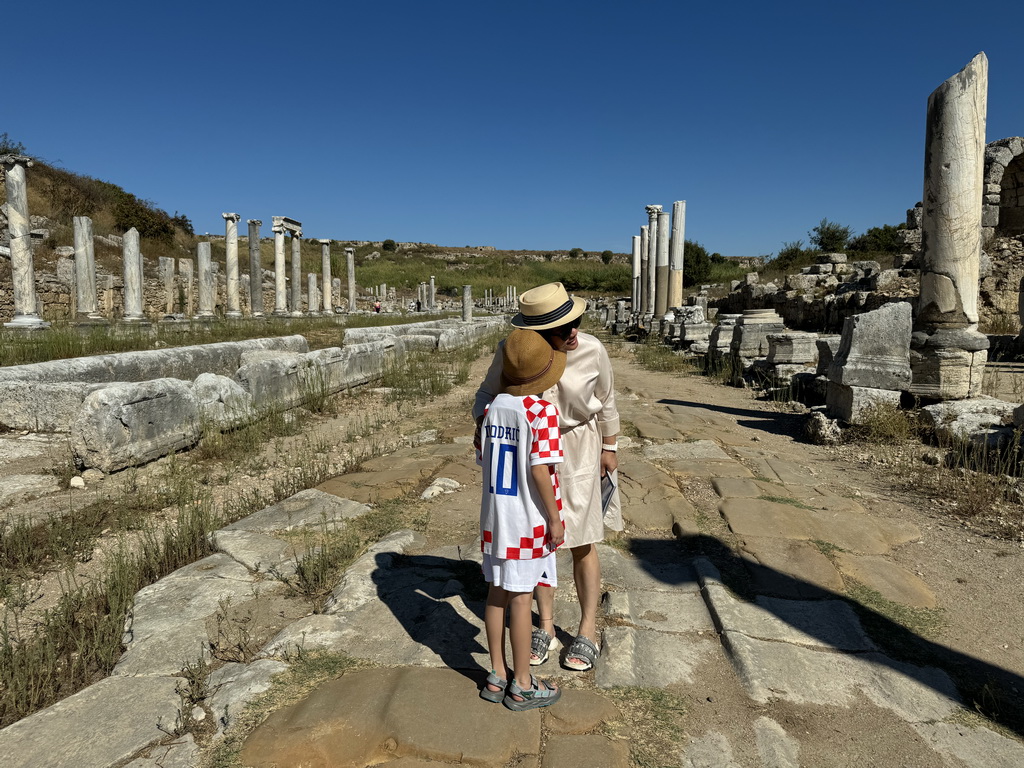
x,y
829,236
606,257
791,257
576,253
883,239
389,245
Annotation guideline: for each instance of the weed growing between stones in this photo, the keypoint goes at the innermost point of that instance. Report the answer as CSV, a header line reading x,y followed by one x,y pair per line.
x,y
235,636
652,723
884,423
922,622
193,690
655,356
784,500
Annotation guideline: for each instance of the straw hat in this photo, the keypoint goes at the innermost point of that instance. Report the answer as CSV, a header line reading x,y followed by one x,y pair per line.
x,y
547,306
530,365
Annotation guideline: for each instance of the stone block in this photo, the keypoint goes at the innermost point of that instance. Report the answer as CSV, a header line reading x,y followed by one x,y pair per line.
x,y
792,347
948,364
990,215
874,351
124,425
850,404
801,282
977,419
42,407
827,345
223,403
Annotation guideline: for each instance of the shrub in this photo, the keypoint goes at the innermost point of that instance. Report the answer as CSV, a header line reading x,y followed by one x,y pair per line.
x,y
389,245
881,239
791,256
607,256
9,146
829,236
576,253
696,265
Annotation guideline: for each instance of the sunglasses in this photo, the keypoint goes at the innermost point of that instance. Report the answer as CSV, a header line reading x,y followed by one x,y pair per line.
x,y
563,331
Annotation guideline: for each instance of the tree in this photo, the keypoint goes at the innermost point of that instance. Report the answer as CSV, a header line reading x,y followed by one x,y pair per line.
x,y
791,255
697,264
881,239
576,253
829,236
606,257
9,146
389,245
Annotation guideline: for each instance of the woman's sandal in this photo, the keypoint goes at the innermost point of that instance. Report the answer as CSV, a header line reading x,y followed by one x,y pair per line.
x,y
541,644
581,648
532,698
494,696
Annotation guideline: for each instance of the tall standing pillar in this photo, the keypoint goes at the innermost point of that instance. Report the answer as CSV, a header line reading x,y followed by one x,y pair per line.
x,y
234,303
947,353
185,271
132,262
645,261
26,304
166,270
467,303
325,273
634,300
661,285
296,275
280,280
85,269
433,295
652,258
675,254
350,257
255,269
204,264
312,300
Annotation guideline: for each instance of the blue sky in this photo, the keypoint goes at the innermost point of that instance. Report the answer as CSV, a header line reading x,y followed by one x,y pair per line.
x,y
519,125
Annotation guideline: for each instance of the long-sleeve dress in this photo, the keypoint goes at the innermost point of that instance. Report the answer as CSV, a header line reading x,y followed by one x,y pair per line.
x,y
585,397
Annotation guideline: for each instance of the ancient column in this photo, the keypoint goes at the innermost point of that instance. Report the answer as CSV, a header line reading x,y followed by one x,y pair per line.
x,y
204,261
350,255
85,269
467,303
234,306
26,305
645,261
661,277
132,261
433,295
948,353
255,269
312,300
635,281
280,280
652,258
675,254
296,275
166,270
185,269
325,272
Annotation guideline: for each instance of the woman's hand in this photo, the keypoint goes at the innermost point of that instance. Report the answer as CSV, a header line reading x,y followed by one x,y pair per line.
x,y
609,462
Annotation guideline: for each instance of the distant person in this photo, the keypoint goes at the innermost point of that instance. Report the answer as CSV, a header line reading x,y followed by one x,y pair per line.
x,y
589,422
520,513
376,306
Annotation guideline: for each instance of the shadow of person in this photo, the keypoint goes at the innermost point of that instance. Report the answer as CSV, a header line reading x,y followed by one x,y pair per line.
x,y
994,691
439,603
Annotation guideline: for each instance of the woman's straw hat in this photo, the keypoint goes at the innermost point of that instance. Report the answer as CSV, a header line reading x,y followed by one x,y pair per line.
x,y
547,306
529,364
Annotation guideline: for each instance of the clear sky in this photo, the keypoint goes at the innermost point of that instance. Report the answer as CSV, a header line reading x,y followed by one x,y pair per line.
x,y
529,125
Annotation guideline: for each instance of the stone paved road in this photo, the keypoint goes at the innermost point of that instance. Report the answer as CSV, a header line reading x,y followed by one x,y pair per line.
x,y
727,590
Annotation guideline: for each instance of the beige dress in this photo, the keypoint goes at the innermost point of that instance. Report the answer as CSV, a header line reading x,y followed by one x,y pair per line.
x,y
585,398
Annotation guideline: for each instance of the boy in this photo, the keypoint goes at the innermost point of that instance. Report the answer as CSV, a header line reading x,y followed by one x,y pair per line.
x,y
520,512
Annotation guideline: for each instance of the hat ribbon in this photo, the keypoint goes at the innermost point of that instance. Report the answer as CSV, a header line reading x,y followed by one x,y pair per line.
x,y
549,317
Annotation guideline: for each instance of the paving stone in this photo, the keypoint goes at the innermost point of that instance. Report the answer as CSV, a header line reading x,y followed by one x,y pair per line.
x,y
235,685
624,572
892,581
736,487
12,450
183,752
660,611
15,489
776,748
579,711
790,568
790,473
708,468
804,676
128,709
639,471
368,717
359,585
626,654
312,633
585,751
256,551
696,449
976,747
711,750
311,507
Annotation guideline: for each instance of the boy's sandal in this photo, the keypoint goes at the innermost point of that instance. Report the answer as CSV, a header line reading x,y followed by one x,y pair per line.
x,y
494,696
532,698
540,646
581,648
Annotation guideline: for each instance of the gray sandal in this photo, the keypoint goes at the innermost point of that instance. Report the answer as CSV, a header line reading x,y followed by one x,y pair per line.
x,y
581,648
494,696
534,697
541,645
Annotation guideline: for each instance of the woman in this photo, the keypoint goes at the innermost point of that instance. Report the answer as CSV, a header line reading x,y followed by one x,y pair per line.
x,y
589,422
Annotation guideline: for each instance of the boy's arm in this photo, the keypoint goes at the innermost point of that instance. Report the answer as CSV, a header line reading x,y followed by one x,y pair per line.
x,y
542,480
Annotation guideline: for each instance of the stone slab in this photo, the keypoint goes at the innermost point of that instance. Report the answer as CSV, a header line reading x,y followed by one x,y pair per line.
x,y
593,751
776,748
311,507
659,611
771,670
709,750
255,551
235,685
790,473
627,653
736,487
654,429
892,581
696,449
129,709
580,712
15,489
12,450
708,468
977,747
790,568
623,572
313,633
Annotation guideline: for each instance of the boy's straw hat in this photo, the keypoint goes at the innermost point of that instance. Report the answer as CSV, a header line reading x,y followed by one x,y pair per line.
x,y
547,306
530,365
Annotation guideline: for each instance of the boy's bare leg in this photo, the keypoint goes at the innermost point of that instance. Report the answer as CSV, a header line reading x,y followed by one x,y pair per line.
x,y
520,627
586,572
494,624
545,610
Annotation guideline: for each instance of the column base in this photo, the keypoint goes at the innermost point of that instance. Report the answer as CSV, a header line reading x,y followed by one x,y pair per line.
x,y
280,313
27,323
948,364
296,313
233,315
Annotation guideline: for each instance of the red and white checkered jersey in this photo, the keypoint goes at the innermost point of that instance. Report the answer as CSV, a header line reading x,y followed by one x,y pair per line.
x,y
516,434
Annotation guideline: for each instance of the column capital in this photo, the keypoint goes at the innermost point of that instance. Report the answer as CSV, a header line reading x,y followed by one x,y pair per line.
x,y
257,222
284,224
231,217
350,250
9,161
324,242
653,210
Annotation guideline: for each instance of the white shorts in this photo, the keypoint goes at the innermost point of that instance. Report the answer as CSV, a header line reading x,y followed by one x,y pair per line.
x,y
520,575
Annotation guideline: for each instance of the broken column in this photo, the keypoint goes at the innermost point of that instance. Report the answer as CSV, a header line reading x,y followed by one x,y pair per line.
x,y
132,262
204,262
635,282
652,259
166,270
675,254
645,265
312,299
85,269
661,275
280,281
26,305
255,269
296,274
947,353
185,269
350,258
234,305
325,272
467,303
432,301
